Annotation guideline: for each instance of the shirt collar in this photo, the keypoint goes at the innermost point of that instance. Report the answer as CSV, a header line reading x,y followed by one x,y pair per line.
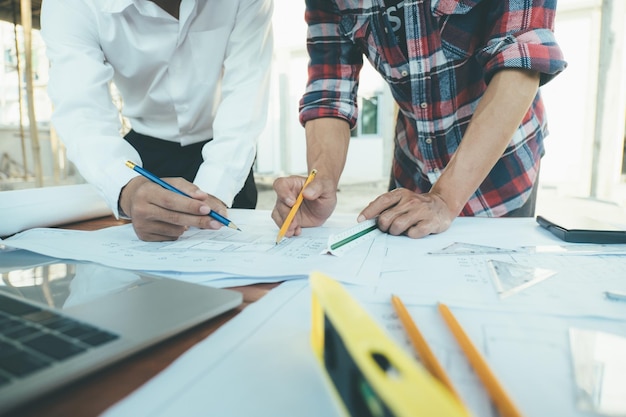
x,y
116,6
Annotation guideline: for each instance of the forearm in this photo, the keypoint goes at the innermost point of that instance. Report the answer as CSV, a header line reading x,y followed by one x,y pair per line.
x,y
497,116
327,147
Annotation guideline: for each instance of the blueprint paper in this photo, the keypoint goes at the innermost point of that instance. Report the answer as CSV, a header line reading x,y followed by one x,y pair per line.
x,y
262,365
250,252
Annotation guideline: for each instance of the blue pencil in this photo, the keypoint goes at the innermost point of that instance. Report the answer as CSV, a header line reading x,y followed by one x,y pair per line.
x,y
167,186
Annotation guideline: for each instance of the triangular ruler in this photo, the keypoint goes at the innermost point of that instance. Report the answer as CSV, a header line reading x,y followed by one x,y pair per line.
x,y
459,248
510,278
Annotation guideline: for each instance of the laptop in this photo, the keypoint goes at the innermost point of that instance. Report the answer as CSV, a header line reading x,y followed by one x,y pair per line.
x,y
61,320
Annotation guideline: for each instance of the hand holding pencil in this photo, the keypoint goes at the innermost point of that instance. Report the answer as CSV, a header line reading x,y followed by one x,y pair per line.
x,y
294,208
319,199
162,210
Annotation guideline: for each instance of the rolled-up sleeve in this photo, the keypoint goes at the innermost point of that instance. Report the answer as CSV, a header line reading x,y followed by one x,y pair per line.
x,y
334,67
85,117
523,37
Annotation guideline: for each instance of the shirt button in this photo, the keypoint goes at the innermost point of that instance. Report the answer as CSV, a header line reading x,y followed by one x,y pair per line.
x,y
436,170
429,140
405,73
423,105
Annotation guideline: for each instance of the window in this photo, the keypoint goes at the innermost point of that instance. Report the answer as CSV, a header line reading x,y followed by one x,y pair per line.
x,y
367,123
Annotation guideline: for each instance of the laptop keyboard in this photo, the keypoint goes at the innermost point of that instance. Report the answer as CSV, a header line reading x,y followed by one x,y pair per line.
x,y
32,338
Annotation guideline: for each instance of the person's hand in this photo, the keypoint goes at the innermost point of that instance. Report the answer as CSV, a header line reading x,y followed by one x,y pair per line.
x,y
402,211
320,199
159,214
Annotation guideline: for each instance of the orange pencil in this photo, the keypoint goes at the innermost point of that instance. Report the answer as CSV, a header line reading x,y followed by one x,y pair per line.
x,y
421,345
294,208
498,395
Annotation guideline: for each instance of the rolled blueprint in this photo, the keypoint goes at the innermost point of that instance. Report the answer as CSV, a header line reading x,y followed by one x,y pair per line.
x,y
49,206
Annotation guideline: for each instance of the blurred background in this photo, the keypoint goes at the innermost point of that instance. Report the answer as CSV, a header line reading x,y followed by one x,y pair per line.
x,y
586,105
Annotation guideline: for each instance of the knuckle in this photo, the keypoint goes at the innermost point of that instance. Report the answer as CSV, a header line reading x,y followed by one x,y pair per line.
x,y
277,184
138,211
385,199
192,206
383,223
418,231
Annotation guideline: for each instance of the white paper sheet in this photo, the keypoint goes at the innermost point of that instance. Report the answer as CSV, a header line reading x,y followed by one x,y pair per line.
x,y
261,364
251,252
264,354
258,366
576,288
49,206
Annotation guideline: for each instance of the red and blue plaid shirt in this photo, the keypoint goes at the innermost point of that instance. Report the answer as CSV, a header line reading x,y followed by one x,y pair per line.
x,y
454,48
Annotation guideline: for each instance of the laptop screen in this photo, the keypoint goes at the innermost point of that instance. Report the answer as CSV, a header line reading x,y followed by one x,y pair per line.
x,y
61,284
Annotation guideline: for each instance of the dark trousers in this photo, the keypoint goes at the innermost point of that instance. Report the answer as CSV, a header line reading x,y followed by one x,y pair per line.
x,y
168,159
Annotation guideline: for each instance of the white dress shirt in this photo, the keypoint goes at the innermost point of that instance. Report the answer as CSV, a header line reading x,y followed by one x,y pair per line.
x,y
205,75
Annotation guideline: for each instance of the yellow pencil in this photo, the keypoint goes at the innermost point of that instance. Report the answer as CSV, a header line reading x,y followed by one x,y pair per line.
x,y
421,345
294,208
498,395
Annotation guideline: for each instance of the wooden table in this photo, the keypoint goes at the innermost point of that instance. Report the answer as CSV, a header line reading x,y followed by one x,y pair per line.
x,y
92,395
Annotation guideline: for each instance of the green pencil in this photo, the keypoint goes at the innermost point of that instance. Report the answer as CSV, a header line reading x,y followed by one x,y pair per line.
x,y
353,237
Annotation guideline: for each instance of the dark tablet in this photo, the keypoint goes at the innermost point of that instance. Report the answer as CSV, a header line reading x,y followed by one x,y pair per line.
x,y
584,230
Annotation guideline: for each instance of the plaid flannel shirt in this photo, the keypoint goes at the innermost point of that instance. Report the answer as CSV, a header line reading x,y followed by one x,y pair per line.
x,y
454,48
